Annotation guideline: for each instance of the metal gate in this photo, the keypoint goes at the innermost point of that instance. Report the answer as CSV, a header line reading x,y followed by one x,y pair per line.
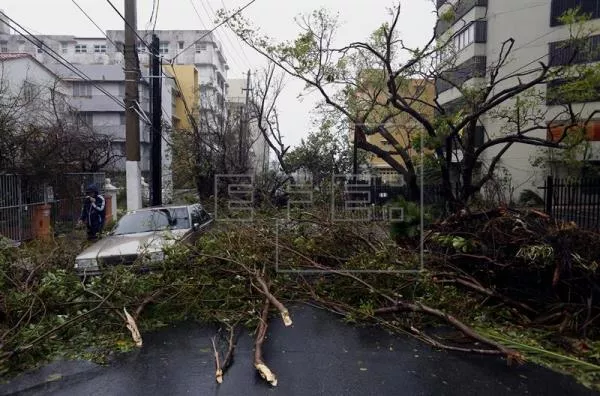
x,y
20,194
18,197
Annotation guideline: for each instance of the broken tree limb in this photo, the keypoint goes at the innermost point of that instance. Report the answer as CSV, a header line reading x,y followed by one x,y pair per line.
x,y
436,344
147,301
488,292
132,326
285,314
218,369
261,333
402,306
221,367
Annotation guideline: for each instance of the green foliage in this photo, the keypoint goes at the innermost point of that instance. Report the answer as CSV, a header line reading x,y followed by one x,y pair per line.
x,y
458,243
410,226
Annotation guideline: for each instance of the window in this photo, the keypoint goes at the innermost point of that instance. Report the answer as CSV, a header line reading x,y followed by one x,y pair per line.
x,y
122,118
29,91
559,7
80,49
464,38
199,215
121,89
163,47
100,48
180,45
564,52
200,47
85,118
4,46
64,47
82,90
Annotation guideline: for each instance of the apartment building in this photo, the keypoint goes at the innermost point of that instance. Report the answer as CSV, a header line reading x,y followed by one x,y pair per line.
x,y
186,47
102,112
477,30
199,48
237,104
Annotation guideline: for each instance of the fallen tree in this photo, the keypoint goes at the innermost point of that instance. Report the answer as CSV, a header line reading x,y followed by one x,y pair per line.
x,y
486,276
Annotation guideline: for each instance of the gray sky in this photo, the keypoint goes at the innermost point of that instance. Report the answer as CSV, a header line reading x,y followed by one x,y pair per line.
x,y
274,17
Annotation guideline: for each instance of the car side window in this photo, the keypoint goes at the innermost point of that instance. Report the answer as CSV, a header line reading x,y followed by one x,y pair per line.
x,y
196,215
204,216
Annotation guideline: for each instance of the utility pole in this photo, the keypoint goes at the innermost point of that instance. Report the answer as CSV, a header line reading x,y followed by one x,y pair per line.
x,y
244,119
355,152
156,163
132,124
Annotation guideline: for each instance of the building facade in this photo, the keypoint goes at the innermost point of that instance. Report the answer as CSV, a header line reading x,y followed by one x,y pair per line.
x,y
238,103
476,31
103,113
185,47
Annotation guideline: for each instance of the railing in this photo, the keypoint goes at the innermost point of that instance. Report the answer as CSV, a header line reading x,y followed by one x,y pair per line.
x,y
29,207
576,200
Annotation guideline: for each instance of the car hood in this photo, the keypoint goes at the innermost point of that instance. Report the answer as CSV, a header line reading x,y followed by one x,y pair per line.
x,y
130,244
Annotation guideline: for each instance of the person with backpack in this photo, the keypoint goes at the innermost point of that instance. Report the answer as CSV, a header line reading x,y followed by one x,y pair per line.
x,y
93,212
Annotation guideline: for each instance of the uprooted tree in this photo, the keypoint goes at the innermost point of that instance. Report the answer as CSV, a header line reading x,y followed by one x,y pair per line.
x,y
380,83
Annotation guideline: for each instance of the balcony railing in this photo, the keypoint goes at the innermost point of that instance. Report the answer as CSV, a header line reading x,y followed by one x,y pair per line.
x,y
460,9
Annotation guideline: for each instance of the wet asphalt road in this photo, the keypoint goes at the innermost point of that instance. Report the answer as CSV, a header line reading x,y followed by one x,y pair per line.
x,y
319,355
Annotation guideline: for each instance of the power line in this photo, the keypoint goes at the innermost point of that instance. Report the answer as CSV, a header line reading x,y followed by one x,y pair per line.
x,y
212,13
94,23
64,62
213,29
129,26
237,39
185,104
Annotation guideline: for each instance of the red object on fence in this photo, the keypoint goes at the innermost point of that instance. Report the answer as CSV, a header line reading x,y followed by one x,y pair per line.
x,y
41,221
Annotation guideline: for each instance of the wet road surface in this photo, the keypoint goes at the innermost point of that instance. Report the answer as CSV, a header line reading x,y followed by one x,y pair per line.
x,y
319,355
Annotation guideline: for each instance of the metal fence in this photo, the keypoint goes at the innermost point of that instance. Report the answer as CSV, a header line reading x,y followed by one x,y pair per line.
x,y
21,196
378,196
576,200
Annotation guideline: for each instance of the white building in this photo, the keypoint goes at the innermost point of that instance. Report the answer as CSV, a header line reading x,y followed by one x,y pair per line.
x,y
478,29
103,113
186,47
35,85
259,149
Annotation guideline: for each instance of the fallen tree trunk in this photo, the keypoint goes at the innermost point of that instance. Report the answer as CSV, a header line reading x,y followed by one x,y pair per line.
x,y
285,314
261,333
402,306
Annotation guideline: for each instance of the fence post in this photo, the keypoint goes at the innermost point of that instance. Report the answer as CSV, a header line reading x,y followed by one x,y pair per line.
x,y
111,191
549,194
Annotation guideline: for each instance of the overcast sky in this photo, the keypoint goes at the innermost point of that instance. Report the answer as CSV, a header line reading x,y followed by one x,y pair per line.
x,y
274,17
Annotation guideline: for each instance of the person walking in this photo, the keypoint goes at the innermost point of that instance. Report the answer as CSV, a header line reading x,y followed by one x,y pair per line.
x,y
93,212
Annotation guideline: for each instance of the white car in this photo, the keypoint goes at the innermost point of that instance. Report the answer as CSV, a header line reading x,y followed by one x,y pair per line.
x,y
141,235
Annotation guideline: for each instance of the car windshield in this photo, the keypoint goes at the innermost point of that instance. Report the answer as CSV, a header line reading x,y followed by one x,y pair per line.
x,y
153,220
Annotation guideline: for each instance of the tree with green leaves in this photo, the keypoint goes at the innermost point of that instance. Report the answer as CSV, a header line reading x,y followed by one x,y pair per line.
x,y
369,84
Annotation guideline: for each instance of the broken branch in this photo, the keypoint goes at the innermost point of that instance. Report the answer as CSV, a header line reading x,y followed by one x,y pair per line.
x,y
261,333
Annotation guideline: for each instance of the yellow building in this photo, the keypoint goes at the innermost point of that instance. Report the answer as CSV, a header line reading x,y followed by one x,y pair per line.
x,y
186,77
403,127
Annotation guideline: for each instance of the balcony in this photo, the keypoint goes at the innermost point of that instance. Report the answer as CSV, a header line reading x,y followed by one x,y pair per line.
x,y
563,53
475,67
559,7
461,9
